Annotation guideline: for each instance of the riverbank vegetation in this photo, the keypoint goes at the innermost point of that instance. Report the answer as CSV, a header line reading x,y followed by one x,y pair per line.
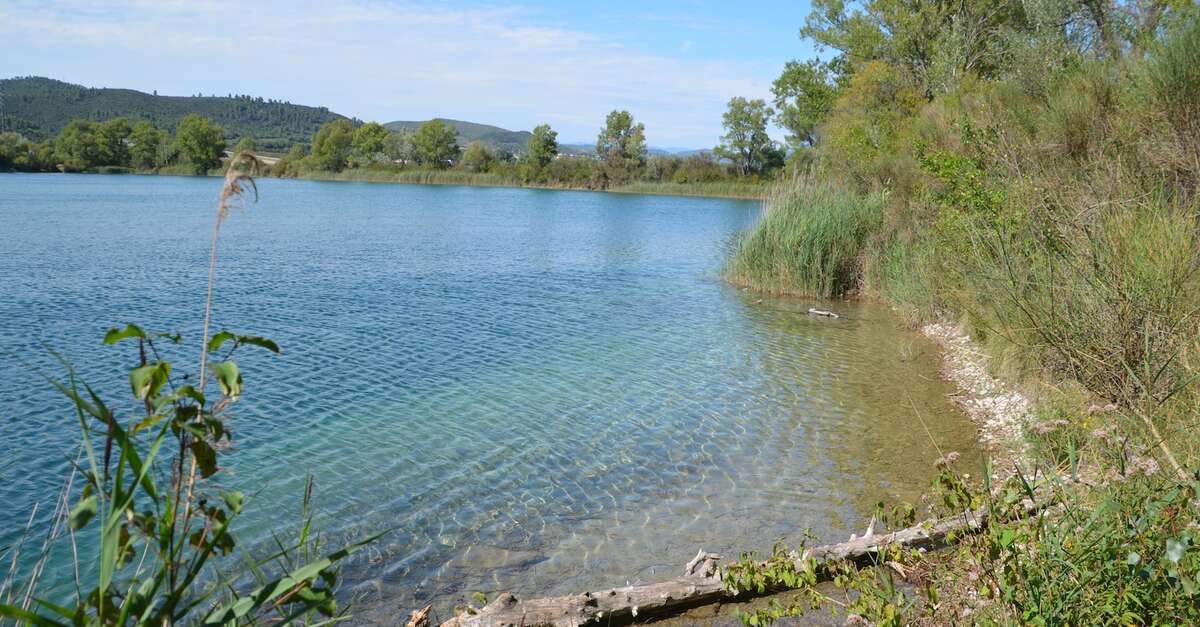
x,y
741,166
1029,170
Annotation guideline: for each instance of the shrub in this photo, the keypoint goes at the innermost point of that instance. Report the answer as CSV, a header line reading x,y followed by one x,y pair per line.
x,y
810,240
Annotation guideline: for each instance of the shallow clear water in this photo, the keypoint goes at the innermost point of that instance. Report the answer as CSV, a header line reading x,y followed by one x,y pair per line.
x,y
541,391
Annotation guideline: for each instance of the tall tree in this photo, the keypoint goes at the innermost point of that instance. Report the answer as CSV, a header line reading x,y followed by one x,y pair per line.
x,y
332,145
746,142
367,147
398,146
543,146
14,150
478,157
145,145
200,141
935,44
113,136
436,144
622,147
78,145
804,95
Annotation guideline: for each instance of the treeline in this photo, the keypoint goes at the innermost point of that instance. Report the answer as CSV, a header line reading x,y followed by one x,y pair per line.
x,y
116,145
1031,171
747,154
39,108
746,157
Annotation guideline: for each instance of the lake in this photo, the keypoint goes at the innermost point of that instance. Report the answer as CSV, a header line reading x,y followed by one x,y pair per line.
x,y
539,391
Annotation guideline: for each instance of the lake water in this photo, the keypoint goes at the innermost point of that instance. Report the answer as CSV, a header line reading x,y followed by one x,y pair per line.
x,y
540,391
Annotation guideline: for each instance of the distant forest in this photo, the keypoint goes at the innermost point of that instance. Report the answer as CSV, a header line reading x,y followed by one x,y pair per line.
x,y
39,108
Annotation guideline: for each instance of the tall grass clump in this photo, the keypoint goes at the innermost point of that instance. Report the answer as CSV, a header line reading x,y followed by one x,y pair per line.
x,y
144,510
809,241
1174,75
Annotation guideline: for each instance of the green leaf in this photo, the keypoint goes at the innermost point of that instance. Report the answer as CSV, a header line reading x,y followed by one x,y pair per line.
x,y
23,615
259,341
115,335
186,391
219,339
206,458
84,511
233,500
1007,537
146,381
262,597
255,340
229,378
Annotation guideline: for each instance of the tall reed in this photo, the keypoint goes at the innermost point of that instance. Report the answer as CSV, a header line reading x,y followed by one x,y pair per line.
x,y
809,241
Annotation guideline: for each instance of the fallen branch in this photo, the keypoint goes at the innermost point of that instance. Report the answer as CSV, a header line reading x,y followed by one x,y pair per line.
x,y
701,582
822,312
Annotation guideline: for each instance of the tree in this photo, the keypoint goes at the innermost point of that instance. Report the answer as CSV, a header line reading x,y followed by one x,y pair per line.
x,y
14,149
622,147
804,96
145,145
398,146
746,142
436,144
933,43
331,145
543,146
245,144
291,163
200,141
78,145
478,157
367,146
112,136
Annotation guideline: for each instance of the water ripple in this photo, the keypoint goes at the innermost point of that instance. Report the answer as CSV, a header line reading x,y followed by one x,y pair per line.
x,y
539,391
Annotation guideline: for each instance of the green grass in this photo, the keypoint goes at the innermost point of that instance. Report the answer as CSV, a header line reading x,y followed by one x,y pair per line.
x,y
725,189
810,240
722,189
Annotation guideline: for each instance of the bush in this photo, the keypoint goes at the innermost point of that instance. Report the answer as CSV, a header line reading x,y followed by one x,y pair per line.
x,y
1174,77
810,240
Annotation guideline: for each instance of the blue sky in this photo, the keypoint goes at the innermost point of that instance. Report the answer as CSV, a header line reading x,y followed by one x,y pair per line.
x,y
674,65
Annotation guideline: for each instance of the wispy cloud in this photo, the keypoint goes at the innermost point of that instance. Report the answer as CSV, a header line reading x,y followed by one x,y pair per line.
x,y
381,60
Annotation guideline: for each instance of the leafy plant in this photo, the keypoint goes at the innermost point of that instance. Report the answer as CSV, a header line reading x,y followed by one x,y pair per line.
x,y
159,520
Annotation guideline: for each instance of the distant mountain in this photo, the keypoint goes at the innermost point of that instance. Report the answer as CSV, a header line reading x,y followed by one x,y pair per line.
x,y
40,107
653,151
513,141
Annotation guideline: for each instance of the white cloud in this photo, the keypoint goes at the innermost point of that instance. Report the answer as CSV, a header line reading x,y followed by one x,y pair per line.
x,y
380,60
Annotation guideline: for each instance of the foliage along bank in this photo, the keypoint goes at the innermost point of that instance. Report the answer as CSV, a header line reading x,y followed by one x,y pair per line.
x,y
343,149
1030,170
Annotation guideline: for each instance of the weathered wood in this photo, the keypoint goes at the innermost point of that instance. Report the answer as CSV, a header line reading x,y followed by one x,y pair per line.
x,y
822,312
420,618
700,584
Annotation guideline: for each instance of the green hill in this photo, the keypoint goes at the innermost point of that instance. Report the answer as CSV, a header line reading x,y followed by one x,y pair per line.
x,y
512,141
39,107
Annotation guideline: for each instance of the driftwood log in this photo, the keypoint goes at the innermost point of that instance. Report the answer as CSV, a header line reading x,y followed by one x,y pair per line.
x,y
821,312
700,583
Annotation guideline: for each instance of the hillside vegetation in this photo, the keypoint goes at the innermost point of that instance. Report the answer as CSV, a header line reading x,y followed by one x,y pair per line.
x,y
493,136
1029,170
39,108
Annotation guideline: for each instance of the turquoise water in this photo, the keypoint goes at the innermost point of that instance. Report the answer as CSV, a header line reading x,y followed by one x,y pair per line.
x,y
541,391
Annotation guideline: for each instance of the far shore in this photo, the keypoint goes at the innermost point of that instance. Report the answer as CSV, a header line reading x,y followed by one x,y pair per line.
x,y
720,189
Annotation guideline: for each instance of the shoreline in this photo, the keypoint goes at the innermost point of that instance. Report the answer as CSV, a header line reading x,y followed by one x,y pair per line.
x,y
999,411
684,190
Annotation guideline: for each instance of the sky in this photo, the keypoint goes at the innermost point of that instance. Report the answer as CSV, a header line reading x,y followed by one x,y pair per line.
x,y
674,65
